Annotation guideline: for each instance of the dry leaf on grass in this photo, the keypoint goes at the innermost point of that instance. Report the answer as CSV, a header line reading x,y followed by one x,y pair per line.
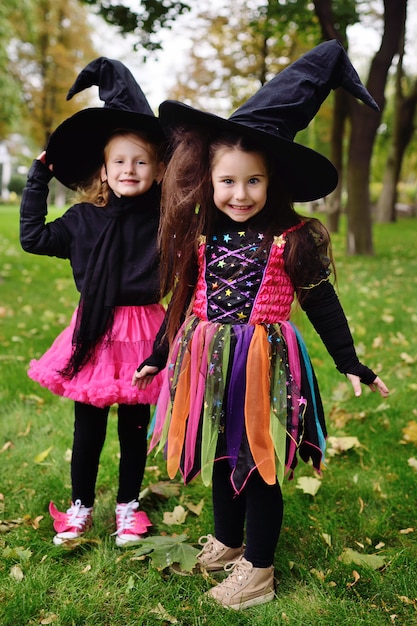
x,y
177,516
16,573
410,432
195,508
412,462
338,445
162,614
308,484
39,458
356,577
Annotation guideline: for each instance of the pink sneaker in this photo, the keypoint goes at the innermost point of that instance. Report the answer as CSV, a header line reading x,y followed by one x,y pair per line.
x,y
71,524
131,524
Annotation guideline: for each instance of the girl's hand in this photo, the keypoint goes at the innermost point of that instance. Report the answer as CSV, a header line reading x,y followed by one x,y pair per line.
x,y
377,385
145,376
42,158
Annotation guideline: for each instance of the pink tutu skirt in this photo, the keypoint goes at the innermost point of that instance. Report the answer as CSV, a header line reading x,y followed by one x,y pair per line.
x,y
106,378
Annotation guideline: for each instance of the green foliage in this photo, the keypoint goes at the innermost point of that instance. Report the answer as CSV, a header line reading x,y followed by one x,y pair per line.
x,y
146,23
347,555
17,183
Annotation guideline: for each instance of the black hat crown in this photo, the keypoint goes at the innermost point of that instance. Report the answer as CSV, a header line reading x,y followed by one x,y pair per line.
x,y
75,148
280,108
288,102
117,87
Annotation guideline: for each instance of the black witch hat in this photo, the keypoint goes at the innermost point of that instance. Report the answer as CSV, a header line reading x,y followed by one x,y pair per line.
x,y
75,148
282,107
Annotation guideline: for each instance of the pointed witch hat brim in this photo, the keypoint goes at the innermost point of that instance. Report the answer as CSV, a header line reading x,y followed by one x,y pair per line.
x,y
308,175
283,106
76,148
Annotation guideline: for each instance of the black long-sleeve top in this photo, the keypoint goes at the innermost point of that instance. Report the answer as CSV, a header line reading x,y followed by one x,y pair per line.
x,y
73,235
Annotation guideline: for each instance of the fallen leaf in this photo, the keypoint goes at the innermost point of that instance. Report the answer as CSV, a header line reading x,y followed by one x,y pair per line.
x,y
327,538
35,522
26,431
387,318
31,398
319,574
39,458
163,614
86,569
356,577
164,551
164,489
378,342
373,561
406,531
49,618
412,462
340,417
308,484
6,525
18,553
6,446
406,600
410,432
177,516
16,573
195,508
407,358
337,445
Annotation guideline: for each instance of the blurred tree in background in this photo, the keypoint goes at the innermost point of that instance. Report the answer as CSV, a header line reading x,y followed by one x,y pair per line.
x,y
234,47
45,55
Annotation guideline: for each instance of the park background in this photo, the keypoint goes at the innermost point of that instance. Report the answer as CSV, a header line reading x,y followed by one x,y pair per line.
x,y
347,554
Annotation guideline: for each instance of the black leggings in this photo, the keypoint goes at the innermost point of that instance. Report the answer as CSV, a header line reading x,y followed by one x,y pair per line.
x,y
259,504
89,435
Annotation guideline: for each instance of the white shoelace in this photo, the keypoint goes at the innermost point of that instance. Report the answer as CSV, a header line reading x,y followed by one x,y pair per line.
x,y
125,514
77,515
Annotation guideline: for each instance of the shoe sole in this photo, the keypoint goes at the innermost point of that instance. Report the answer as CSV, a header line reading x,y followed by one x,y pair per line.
x,y
252,602
120,543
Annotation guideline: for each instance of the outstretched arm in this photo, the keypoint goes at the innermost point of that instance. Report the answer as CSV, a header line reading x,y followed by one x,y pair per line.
x,y
325,312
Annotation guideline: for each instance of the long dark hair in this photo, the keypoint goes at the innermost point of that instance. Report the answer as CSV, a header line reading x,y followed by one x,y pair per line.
x,y
188,211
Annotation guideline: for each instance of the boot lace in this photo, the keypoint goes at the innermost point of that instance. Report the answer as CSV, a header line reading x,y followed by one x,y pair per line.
x,y
210,546
239,572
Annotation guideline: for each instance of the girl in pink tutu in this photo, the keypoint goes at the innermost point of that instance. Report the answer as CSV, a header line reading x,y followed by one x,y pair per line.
x,y
112,156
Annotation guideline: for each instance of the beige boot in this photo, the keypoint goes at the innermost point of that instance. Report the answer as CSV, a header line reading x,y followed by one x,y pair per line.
x,y
245,586
215,555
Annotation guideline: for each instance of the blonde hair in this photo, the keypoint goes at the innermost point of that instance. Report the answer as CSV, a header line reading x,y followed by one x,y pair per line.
x,y
97,191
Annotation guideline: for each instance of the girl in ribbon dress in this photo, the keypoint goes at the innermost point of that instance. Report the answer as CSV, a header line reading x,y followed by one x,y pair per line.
x,y
240,401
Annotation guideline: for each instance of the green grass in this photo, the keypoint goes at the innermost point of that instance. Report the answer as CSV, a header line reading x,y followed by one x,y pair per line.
x,y
366,502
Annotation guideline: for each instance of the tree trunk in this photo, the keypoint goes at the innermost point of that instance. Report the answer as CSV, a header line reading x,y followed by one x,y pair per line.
x,y
324,12
364,124
403,128
334,200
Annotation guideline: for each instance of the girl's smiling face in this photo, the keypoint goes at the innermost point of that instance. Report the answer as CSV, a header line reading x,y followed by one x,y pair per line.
x,y
130,166
240,183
